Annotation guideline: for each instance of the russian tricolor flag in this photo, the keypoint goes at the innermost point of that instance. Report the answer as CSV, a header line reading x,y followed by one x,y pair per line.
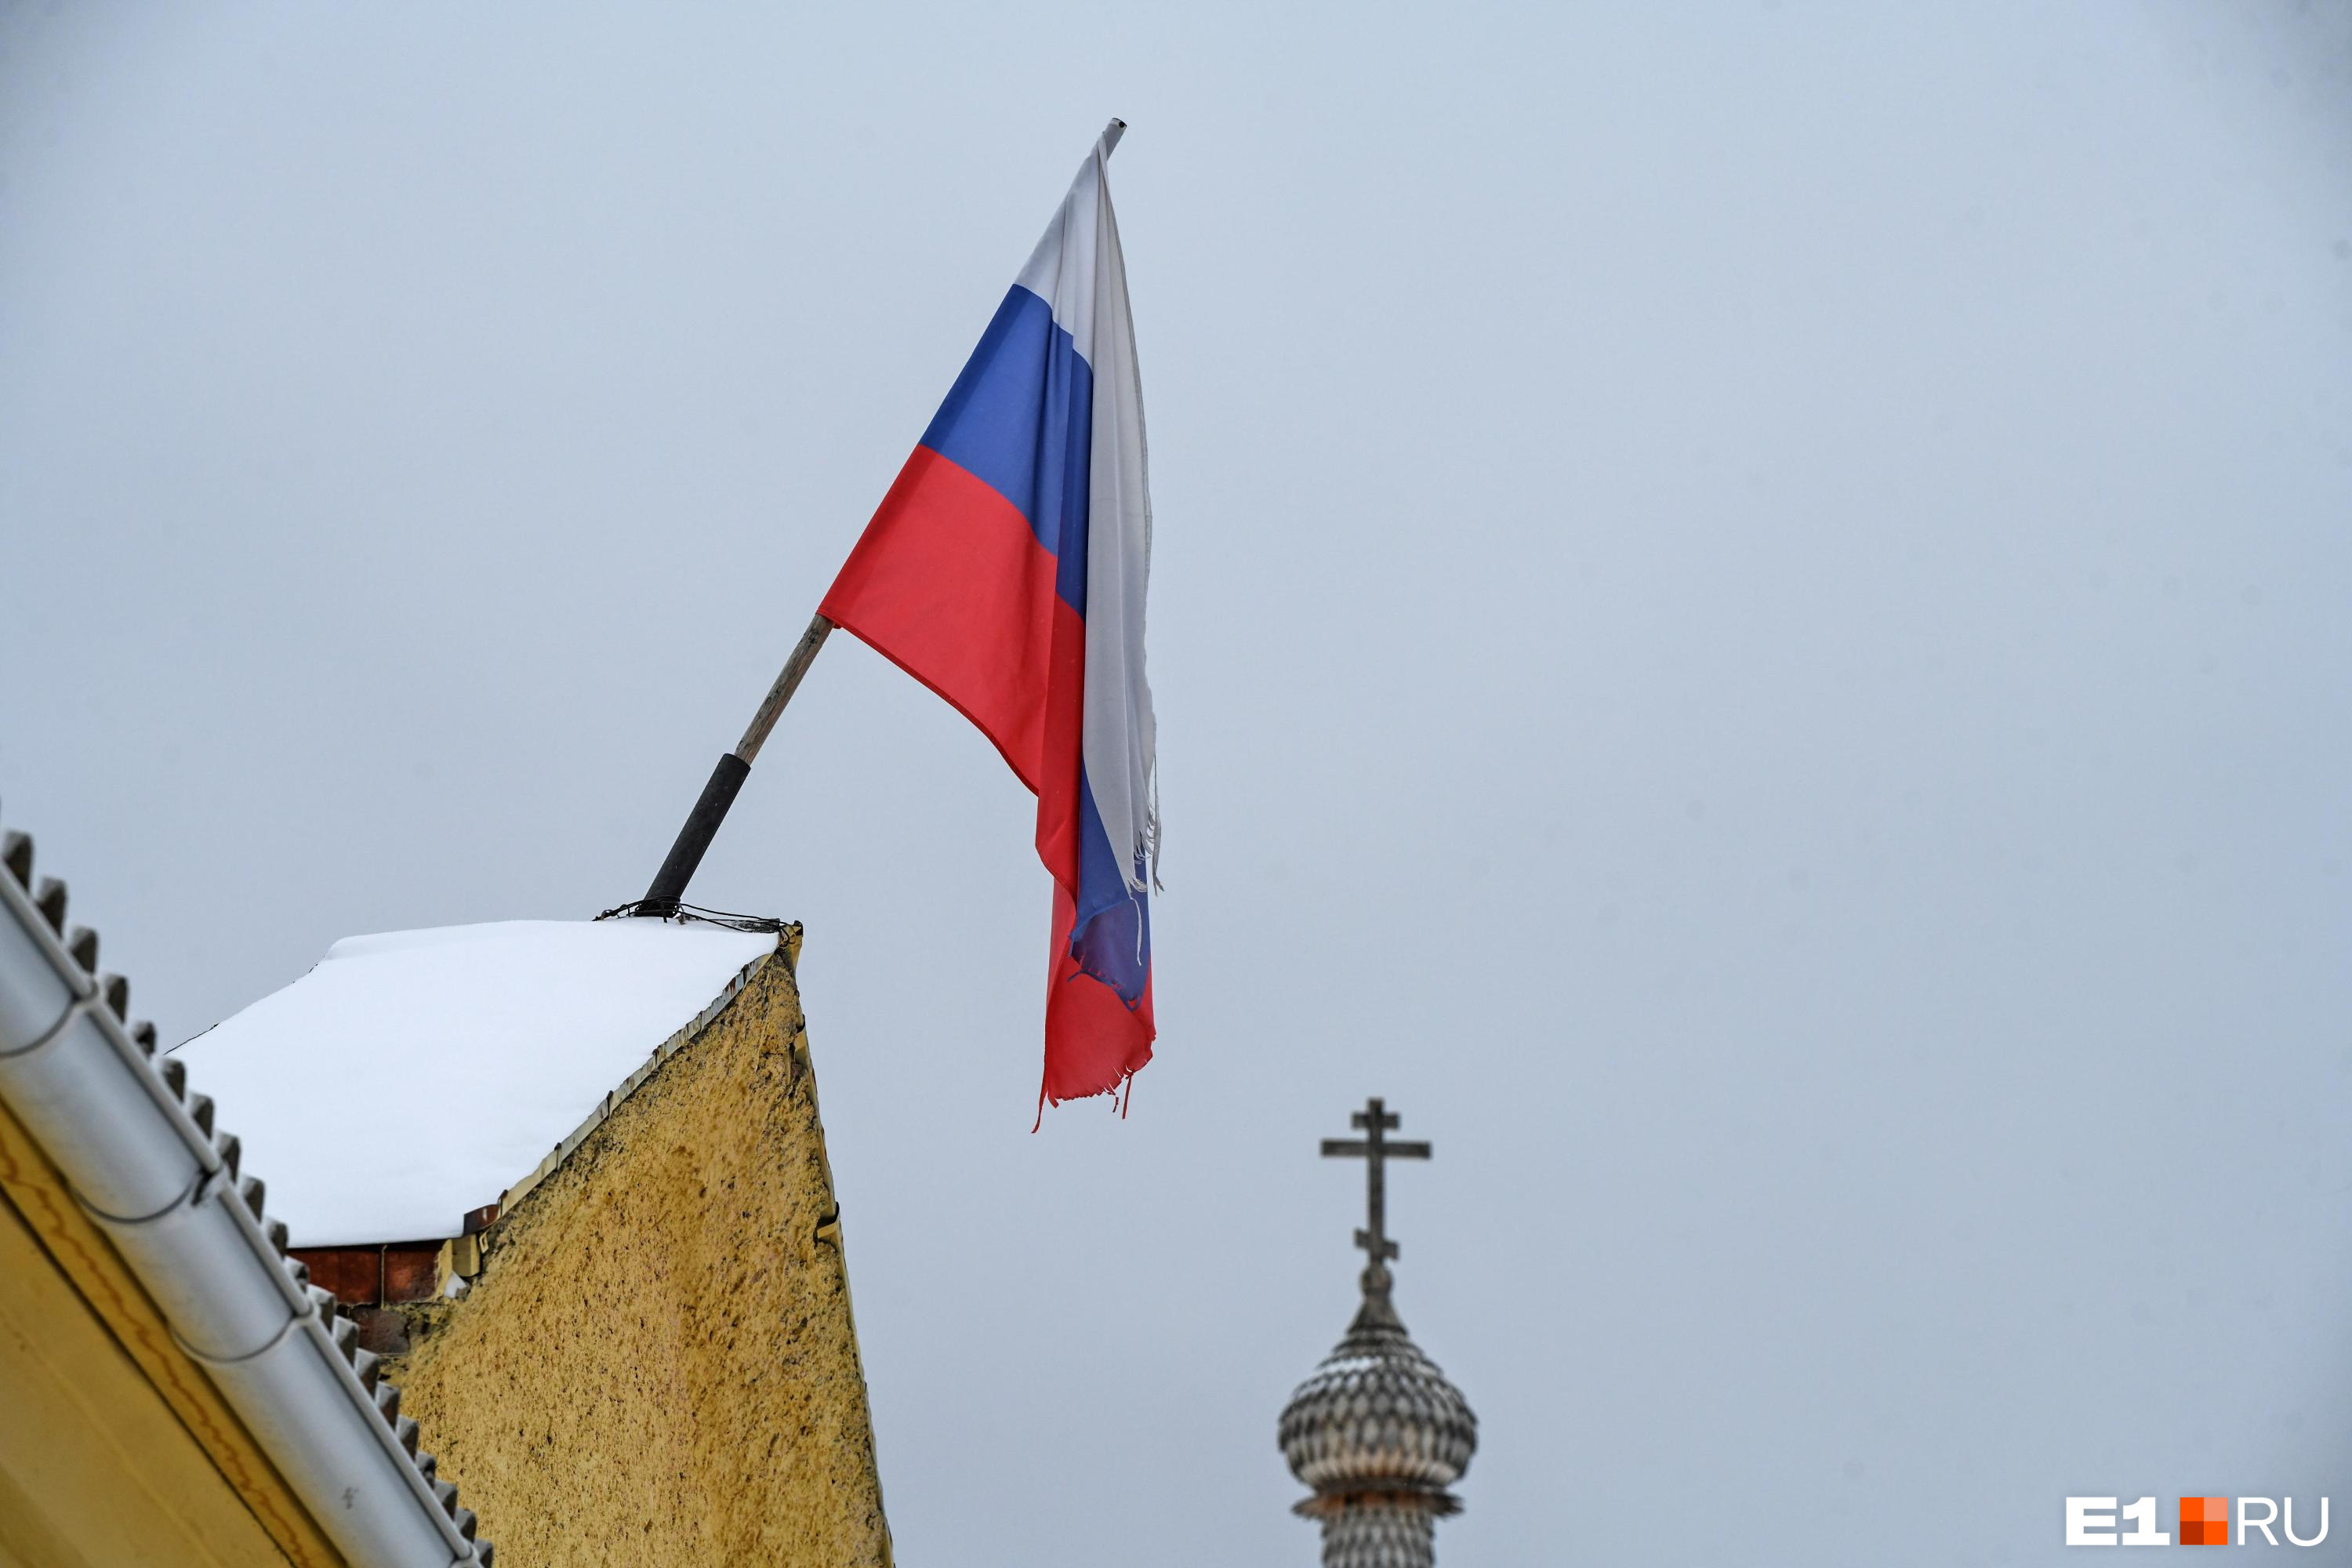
x,y
1005,570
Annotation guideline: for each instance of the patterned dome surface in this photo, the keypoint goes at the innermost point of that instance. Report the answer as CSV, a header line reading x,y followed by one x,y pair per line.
x,y
1378,1415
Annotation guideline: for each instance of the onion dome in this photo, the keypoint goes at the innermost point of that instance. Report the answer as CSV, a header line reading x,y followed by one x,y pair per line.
x,y
1378,1415
1377,1431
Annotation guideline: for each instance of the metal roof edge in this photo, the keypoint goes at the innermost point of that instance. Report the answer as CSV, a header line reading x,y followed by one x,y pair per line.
x,y
144,1160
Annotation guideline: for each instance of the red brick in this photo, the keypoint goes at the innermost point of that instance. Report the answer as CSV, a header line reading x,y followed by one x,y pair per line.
x,y
408,1273
353,1274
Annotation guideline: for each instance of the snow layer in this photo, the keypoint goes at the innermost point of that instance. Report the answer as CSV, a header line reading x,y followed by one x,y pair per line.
x,y
413,1077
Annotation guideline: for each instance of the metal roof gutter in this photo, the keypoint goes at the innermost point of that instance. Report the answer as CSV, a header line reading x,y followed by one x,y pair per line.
x,y
148,1168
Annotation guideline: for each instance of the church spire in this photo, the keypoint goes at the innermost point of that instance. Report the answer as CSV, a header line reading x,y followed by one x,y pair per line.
x,y
1377,1431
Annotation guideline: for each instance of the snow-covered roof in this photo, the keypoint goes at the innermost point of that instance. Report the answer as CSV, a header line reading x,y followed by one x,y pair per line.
x,y
413,1077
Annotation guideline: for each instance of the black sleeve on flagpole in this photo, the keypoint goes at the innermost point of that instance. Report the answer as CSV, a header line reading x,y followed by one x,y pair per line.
x,y
701,826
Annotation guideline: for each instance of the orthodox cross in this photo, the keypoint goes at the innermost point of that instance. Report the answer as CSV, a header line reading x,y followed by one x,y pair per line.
x,y
1374,1147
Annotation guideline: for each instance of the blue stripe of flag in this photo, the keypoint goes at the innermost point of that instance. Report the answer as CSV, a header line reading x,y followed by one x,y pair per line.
x,y
1020,417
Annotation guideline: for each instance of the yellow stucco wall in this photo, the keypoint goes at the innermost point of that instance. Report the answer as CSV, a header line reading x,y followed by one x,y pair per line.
x,y
656,1364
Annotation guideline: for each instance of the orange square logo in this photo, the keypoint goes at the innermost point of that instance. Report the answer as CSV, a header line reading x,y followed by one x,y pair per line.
x,y
2204,1521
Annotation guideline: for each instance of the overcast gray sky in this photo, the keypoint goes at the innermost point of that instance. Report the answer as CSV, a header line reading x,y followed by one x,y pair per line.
x,y
1750,624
